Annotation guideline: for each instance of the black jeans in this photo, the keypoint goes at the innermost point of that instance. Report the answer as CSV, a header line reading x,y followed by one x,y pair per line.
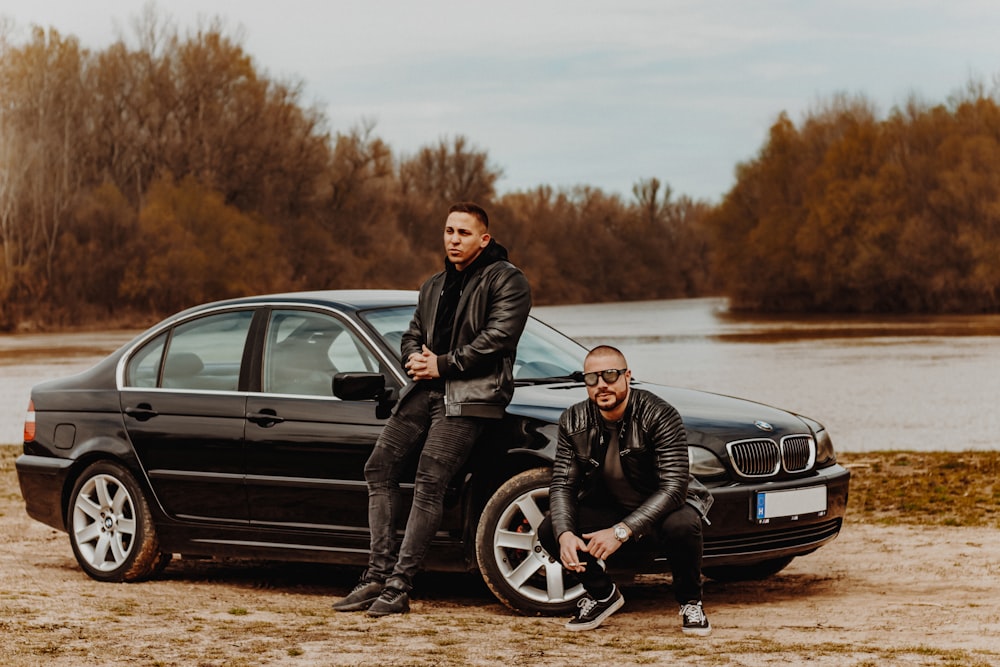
x,y
679,536
447,442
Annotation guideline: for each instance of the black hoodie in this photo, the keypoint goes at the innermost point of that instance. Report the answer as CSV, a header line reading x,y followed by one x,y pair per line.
x,y
454,283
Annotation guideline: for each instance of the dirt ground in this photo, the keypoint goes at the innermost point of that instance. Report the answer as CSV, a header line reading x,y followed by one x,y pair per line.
x,y
878,595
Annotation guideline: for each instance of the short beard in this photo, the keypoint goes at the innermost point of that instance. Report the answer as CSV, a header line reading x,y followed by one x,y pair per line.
x,y
618,401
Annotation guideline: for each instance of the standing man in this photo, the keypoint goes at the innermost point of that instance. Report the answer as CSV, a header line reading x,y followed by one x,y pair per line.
x,y
459,350
621,474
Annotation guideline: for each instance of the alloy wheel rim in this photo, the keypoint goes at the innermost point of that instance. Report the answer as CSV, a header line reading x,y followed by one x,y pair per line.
x,y
524,564
104,525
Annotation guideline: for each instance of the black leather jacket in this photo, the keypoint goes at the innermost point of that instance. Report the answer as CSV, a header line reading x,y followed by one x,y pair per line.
x,y
479,368
654,457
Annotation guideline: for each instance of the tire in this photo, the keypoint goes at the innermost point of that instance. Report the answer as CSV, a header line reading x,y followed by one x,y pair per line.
x,y
513,564
753,572
110,527
161,563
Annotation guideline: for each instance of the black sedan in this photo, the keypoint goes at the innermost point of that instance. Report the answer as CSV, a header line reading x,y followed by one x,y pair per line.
x,y
241,428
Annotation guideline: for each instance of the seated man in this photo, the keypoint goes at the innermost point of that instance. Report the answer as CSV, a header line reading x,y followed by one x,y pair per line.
x,y
620,473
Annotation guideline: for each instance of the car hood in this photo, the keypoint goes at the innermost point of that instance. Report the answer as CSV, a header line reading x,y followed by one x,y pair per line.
x,y
710,419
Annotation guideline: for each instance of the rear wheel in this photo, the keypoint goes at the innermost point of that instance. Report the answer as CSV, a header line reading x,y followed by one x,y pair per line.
x,y
110,528
513,563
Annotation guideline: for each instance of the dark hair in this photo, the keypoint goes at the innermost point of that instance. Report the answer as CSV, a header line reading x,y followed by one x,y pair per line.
x,y
473,209
607,349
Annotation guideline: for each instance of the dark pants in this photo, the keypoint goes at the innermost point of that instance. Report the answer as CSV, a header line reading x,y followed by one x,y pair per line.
x,y
679,537
447,442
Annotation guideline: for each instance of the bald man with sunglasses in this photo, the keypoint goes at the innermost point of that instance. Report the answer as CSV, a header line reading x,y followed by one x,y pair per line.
x,y
621,477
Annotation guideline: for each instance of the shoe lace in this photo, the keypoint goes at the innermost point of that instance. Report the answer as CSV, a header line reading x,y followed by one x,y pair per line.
x,y
693,614
358,586
390,594
586,605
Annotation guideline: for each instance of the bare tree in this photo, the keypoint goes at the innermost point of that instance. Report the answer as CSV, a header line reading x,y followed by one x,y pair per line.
x,y
450,171
41,120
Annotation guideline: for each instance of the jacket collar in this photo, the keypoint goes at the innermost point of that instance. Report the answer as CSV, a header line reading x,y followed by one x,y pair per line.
x,y
597,419
493,252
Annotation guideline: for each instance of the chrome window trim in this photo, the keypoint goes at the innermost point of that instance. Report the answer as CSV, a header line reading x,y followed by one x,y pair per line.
x,y
181,390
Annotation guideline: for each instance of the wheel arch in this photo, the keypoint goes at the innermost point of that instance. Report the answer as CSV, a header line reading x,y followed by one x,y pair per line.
x,y
127,548
103,449
483,482
511,559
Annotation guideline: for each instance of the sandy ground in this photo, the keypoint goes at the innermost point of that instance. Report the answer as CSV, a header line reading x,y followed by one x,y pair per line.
x,y
876,596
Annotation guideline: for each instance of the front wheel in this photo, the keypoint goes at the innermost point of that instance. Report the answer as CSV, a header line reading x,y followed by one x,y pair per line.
x,y
110,527
515,567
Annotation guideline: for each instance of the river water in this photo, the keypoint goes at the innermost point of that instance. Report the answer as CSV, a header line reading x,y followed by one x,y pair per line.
x,y
918,383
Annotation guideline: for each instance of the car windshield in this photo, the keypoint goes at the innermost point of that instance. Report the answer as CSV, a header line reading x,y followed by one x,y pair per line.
x,y
542,352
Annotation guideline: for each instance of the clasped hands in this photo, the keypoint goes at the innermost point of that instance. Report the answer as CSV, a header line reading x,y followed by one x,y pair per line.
x,y
422,365
600,544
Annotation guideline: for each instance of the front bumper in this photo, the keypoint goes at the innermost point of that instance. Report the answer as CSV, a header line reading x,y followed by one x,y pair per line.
x,y
736,537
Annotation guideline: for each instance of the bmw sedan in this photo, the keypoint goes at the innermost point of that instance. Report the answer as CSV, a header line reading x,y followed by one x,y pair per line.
x,y
241,428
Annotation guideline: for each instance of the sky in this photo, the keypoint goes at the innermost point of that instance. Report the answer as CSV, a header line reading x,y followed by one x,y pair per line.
x,y
581,92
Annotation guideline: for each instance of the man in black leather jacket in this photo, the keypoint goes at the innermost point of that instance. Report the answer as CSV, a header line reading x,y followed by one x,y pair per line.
x,y
621,474
459,350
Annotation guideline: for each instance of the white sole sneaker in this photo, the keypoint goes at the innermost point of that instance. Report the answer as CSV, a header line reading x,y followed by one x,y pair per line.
x,y
615,606
700,632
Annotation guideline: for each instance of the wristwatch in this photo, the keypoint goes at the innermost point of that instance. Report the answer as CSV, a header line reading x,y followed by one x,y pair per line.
x,y
621,532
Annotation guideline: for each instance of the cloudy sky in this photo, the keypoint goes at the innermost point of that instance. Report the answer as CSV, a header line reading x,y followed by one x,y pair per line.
x,y
569,92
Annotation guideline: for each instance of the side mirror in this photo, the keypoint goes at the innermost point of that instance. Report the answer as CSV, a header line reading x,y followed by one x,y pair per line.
x,y
358,386
365,387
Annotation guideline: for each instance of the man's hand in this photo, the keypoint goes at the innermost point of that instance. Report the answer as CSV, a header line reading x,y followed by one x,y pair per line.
x,y
602,543
569,546
422,365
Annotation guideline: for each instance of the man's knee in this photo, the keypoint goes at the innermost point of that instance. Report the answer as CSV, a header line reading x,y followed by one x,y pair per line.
x,y
433,473
681,525
391,448
378,468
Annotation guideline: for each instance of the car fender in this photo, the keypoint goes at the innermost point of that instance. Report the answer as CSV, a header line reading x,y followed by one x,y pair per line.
x,y
105,448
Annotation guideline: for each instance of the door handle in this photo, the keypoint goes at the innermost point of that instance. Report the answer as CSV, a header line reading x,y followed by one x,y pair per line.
x,y
142,412
265,418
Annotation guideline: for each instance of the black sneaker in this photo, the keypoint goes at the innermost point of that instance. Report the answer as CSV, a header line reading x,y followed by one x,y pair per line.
x,y
391,601
592,613
360,597
695,622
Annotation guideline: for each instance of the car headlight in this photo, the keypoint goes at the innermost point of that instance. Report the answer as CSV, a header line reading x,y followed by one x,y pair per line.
x,y
825,456
704,464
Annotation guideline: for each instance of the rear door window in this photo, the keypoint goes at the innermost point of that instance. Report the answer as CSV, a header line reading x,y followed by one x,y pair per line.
x,y
202,354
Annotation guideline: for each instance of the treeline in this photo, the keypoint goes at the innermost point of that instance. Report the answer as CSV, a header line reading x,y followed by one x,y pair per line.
x,y
145,178
168,171
849,213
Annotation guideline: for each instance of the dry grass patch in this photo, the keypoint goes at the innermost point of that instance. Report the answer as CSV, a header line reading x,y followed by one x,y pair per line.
x,y
924,488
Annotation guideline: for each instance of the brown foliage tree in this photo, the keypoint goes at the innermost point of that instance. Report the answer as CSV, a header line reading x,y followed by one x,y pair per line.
x,y
849,213
583,245
197,248
171,171
45,96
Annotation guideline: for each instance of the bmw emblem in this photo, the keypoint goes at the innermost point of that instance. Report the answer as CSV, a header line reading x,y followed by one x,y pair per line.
x,y
763,425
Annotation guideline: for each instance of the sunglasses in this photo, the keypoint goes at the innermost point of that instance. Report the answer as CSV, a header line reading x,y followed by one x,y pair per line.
x,y
610,376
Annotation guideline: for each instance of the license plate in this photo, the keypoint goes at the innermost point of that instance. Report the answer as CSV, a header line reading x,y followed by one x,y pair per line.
x,y
791,503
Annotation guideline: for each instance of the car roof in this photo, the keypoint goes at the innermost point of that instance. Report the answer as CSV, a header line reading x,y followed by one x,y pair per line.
x,y
361,299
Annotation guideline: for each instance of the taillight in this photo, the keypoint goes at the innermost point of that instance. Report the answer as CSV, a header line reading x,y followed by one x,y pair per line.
x,y
29,423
